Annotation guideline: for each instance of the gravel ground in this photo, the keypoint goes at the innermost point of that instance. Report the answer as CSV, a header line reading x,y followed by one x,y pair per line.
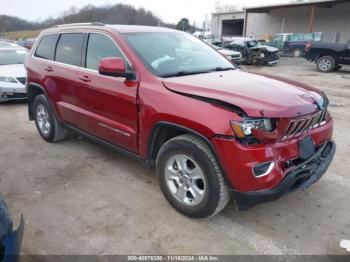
x,y
78,197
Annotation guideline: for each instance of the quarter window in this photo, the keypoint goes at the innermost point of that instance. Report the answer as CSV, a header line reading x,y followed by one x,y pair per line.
x,y
69,49
100,46
46,47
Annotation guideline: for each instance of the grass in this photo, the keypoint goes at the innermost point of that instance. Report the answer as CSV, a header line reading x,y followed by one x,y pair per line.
x,y
20,34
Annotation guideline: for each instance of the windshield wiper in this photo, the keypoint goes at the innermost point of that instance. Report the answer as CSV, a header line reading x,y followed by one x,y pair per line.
x,y
185,73
217,69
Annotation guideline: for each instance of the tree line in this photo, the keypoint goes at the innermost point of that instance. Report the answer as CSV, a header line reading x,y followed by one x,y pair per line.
x,y
109,14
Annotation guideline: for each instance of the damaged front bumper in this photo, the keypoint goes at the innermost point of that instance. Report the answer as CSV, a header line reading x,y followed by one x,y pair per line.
x,y
300,177
273,62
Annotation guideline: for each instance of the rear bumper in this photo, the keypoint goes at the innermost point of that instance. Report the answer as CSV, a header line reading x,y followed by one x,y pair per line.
x,y
301,177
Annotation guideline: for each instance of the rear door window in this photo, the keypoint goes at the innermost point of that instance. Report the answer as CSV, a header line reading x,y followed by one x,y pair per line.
x,y
46,47
69,48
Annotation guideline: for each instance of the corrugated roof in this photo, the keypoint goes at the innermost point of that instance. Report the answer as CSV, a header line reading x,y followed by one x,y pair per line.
x,y
266,8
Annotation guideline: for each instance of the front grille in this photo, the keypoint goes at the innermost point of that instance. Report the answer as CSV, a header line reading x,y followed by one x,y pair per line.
x,y
22,79
300,126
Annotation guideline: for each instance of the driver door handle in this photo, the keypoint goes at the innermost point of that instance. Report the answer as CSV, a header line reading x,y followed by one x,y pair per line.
x,y
85,78
48,69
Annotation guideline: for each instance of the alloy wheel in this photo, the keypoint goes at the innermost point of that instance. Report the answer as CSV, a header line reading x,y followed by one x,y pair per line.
x,y
43,119
325,64
185,179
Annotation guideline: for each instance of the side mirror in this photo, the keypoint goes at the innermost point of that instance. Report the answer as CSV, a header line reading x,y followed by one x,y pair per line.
x,y
114,66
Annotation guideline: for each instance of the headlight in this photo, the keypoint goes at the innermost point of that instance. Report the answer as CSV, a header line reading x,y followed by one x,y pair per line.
x,y
7,79
242,129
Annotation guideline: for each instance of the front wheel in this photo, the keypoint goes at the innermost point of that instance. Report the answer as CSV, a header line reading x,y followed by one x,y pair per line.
x,y
326,64
190,177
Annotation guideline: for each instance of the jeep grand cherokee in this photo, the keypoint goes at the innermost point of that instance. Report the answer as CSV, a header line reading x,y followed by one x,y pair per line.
x,y
162,96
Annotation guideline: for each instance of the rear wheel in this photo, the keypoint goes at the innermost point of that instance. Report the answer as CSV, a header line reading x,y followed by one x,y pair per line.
x,y
190,177
326,64
297,52
48,126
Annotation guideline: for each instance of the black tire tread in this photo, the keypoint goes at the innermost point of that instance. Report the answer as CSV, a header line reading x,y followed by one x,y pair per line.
x,y
224,193
60,132
333,61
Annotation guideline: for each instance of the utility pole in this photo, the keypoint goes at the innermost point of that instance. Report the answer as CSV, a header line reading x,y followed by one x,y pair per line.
x,y
218,13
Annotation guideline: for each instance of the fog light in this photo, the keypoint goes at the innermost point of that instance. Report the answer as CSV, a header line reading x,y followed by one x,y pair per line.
x,y
263,169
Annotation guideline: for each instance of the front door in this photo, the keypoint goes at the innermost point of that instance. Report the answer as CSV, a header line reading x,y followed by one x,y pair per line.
x,y
111,102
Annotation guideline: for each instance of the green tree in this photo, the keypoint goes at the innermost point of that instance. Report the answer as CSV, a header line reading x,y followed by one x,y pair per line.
x,y
183,25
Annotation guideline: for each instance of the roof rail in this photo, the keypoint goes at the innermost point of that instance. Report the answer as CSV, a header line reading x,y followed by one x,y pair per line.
x,y
82,24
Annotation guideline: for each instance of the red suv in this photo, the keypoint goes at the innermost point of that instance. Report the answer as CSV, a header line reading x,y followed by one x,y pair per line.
x,y
168,99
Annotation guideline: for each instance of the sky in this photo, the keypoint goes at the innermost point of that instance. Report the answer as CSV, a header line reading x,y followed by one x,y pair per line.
x,y
170,11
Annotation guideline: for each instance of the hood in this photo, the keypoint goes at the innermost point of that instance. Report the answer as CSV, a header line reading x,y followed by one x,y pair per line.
x,y
256,95
227,52
269,48
16,70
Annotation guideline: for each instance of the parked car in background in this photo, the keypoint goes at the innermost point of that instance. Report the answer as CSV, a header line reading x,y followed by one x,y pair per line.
x,y
253,52
12,73
164,97
294,44
10,240
4,44
231,55
26,43
328,56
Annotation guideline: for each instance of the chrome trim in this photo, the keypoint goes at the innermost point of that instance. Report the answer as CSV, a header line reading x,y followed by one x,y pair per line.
x,y
298,127
85,31
268,171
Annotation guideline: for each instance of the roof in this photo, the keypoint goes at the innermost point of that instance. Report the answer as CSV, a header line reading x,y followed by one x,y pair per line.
x,y
266,8
229,12
8,44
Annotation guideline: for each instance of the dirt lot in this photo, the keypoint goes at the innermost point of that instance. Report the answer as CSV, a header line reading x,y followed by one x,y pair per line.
x,y
80,198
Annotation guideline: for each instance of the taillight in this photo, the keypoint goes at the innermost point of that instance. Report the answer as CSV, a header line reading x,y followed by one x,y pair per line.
x,y
308,46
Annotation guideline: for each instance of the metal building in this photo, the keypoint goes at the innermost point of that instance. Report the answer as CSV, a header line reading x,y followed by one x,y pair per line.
x,y
228,23
331,17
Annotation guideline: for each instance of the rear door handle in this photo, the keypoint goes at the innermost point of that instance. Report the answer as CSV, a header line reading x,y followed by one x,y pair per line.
x,y
48,69
84,78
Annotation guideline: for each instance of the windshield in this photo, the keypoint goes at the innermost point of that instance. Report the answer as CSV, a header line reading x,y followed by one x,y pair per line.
x,y
176,54
8,57
252,43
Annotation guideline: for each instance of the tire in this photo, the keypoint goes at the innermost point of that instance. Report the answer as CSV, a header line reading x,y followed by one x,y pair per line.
x,y
326,64
297,52
5,220
195,154
48,126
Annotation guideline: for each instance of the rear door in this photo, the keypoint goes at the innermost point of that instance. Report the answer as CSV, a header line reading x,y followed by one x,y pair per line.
x,y
70,94
111,101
